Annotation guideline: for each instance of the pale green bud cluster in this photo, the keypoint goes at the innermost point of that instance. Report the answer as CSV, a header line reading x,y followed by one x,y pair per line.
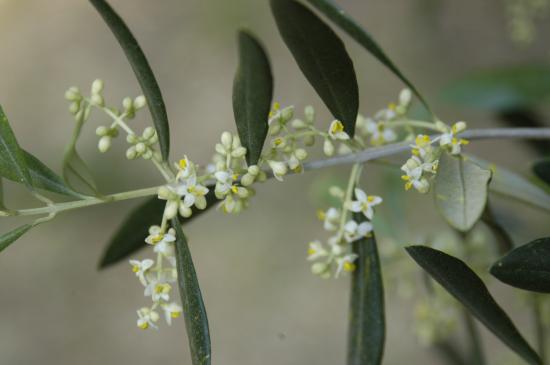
x,y
142,146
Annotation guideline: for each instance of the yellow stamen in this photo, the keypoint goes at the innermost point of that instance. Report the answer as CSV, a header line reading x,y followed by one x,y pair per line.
x,y
183,164
415,152
235,177
405,177
337,127
144,325
156,239
370,198
135,268
392,106
311,251
349,266
408,185
321,215
277,141
235,189
175,314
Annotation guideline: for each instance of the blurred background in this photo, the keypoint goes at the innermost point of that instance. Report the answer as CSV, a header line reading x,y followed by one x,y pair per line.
x,y
264,305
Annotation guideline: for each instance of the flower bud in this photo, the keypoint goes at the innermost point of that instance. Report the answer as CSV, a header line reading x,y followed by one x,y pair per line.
x,y
300,154
227,140
102,131
104,144
275,129
328,148
74,107
97,86
287,114
253,170
148,132
336,192
459,127
140,102
298,124
127,104
141,147
164,193
185,211
309,140
309,113
242,192
147,155
171,209
200,202
131,153
405,97
247,179
279,168
131,138
236,142
97,99
319,268
73,94
239,152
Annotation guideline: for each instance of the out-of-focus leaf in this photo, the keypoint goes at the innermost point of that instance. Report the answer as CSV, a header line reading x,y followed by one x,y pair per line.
x,y
462,283
252,95
526,118
10,237
12,160
510,184
196,321
526,267
460,191
501,89
74,167
367,325
142,70
361,36
502,238
131,234
542,170
322,57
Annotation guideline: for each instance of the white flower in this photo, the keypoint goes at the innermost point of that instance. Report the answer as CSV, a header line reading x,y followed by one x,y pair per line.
x,y
316,251
140,268
423,147
146,318
414,169
330,218
158,291
336,131
364,203
186,168
171,310
354,231
345,263
279,169
380,134
193,193
450,140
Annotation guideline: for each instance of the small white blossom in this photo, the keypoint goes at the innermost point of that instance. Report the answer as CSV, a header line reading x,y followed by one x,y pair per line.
x,y
316,251
140,268
364,203
354,231
147,318
450,140
336,131
172,310
345,263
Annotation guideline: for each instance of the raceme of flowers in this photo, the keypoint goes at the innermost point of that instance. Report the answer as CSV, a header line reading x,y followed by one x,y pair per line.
x,y
231,181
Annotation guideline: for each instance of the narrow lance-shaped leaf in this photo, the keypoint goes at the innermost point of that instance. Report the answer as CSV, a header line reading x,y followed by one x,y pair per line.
x,y
526,267
542,170
130,236
460,191
361,36
12,236
196,321
142,70
322,57
252,95
367,330
462,283
508,183
12,160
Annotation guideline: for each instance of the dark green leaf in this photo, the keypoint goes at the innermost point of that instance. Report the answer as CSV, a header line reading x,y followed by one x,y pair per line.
x,y
12,160
510,184
196,321
460,191
10,237
252,95
542,170
142,70
361,36
502,238
367,330
501,89
461,282
131,234
526,267
322,57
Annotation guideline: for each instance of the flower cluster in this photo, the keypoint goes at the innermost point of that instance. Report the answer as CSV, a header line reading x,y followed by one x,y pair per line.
x,y
157,278
337,256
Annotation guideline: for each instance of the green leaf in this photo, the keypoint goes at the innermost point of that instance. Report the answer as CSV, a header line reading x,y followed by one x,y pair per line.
x,y
526,267
460,191
507,183
367,325
501,89
131,234
252,95
502,238
10,237
74,167
196,321
12,160
142,70
462,283
322,57
361,36
542,170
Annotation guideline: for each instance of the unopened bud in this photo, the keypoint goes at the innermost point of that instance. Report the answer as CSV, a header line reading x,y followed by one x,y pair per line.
x,y
140,102
102,131
148,132
73,94
97,99
247,179
300,154
141,147
253,170
309,113
127,104
328,148
131,153
227,140
97,86
104,144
